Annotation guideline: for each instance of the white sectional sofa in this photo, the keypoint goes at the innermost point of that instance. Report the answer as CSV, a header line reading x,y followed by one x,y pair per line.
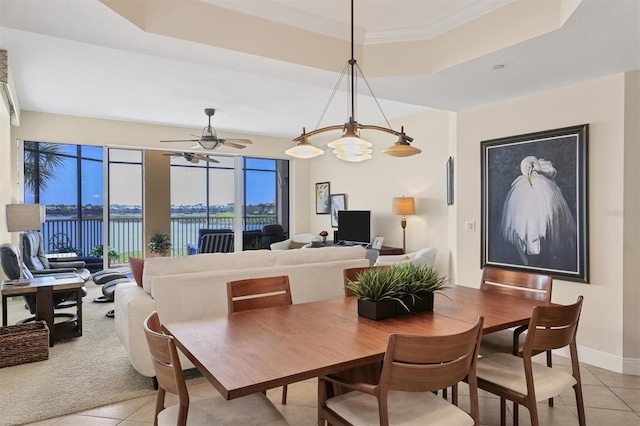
x,y
191,287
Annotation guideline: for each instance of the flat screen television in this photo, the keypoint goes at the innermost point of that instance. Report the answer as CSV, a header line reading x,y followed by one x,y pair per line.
x,y
354,226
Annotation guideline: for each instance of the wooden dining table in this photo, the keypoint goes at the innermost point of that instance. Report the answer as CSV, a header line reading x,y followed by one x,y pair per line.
x,y
252,351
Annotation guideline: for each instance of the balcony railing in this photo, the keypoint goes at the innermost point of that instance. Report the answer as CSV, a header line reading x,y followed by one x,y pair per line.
x,y
125,233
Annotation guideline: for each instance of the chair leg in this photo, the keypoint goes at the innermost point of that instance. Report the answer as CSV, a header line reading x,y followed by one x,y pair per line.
x,y
284,395
454,394
503,412
516,417
580,404
549,364
444,393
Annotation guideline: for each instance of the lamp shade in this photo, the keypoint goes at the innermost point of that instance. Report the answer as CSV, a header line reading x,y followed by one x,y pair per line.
x,y
25,217
404,206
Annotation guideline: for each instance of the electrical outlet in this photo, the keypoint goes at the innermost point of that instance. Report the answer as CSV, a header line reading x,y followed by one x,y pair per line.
x,y
470,226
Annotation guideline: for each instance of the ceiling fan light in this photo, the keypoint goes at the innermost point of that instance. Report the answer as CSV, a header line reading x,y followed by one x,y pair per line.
x,y
208,144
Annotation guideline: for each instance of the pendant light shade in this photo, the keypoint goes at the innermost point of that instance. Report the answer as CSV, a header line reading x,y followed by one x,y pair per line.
x,y
304,149
401,148
351,147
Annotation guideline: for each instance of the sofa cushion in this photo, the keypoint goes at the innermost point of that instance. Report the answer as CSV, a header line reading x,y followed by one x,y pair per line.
x,y
325,254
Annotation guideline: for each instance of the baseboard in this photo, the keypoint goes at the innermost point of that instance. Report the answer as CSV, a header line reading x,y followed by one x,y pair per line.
x,y
605,360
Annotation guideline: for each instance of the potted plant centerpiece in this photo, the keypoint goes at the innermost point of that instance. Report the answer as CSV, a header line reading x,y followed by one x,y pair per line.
x,y
417,285
159,243
399,289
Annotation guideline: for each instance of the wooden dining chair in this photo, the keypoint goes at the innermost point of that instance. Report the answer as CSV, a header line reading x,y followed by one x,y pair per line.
x,y
258,293
253,409
413,368
520,284
519,379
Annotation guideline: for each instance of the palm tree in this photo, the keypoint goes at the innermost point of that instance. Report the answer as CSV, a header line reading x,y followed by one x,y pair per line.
x,y
38,173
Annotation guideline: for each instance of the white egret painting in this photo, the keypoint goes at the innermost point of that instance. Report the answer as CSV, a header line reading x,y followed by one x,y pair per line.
x,y
534,202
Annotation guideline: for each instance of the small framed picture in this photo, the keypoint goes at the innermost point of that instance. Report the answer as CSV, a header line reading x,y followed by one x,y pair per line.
x,y
377,243
338,202
323,203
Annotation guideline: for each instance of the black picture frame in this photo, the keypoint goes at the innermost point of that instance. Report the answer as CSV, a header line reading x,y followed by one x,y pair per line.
x,y
534,203
338,202
323,202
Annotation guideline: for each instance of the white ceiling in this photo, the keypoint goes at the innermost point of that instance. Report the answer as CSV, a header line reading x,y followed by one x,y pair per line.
x,y
79,57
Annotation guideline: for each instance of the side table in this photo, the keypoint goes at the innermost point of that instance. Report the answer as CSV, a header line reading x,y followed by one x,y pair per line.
x,y
43,289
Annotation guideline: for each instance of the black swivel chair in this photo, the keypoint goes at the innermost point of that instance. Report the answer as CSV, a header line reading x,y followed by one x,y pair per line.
x,y
272,234
36,261
10,260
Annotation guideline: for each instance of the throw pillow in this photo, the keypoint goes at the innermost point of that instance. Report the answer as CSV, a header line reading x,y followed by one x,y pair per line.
x,y
296,245
137,266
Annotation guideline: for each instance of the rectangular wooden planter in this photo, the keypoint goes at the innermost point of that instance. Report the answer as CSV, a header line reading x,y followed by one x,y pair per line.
x,y
23,343
376,310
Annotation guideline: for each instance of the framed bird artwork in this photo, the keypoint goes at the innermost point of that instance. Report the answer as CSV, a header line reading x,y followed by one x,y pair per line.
x,y
534,203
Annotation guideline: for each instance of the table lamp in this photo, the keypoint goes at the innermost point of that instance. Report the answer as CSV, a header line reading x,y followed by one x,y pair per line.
x,y
404,206
20,218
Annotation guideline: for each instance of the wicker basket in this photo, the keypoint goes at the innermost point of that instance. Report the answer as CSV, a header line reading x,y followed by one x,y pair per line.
x,y
23,343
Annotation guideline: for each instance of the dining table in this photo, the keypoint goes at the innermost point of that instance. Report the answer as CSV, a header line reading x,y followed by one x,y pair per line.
x,y
252,351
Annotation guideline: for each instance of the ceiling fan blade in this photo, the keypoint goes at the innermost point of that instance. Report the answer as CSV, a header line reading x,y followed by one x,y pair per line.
x,y
173,154
247,141
182,140
233,145
206,158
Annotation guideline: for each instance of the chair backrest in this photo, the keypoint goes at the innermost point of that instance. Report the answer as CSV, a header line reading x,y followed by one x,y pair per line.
x,y
216,243
553,327
429,363
515,283
10,260
33,247
272,234
350,275
257,293
167,366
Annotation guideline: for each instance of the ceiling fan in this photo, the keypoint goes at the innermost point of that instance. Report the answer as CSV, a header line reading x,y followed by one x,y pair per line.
x,y
192,157
209,139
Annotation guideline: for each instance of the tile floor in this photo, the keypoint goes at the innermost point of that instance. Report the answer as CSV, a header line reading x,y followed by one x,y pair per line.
x,y
610,399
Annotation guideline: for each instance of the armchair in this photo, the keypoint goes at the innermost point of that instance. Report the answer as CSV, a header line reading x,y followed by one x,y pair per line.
x,y
300,239
215,241
425,256
10,260
36,261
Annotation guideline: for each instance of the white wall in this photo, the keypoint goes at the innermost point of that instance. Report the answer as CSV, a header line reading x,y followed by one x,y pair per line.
x,y
6,166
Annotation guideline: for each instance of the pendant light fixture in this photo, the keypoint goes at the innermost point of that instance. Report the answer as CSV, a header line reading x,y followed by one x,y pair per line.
x,y
350,146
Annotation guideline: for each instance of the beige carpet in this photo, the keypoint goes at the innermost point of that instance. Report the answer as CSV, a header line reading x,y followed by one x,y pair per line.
x,y
81,373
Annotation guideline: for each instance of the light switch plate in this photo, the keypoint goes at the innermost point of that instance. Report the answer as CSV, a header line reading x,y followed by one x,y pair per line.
x,y
470,226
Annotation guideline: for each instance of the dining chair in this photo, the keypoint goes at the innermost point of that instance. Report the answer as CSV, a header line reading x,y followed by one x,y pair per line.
x,y
520,284
258,293
253,409
413,368
519,379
